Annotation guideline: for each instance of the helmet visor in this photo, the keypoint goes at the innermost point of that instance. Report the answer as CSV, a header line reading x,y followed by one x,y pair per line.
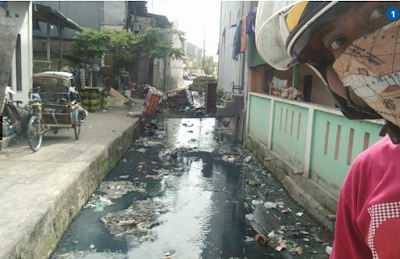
x,y
272,33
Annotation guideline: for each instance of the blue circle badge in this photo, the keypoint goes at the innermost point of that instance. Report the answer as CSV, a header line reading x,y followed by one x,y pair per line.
x,y
392,13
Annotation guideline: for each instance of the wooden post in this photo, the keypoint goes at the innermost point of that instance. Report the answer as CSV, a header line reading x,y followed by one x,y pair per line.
x,y
165,68
61,40
48,43
295,81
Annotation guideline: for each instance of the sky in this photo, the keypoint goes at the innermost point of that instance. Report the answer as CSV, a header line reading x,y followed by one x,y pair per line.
x,y
193,17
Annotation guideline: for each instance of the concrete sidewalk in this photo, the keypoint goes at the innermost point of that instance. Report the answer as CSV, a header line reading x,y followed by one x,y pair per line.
x,y
41,193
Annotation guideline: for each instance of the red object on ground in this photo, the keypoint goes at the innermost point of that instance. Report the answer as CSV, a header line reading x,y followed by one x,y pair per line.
x,y
153,98
260,238
130,85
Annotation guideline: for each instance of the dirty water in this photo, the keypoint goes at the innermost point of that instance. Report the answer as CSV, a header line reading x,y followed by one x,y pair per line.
x,y
181,191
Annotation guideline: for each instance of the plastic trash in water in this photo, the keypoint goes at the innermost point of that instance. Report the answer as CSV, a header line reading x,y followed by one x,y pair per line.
x,y
249,239
247,159
328,250
99,207
270,205
146,238
256,202
105,201
250,217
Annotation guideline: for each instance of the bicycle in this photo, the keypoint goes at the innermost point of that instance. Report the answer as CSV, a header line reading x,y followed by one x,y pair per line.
x,y
49,112
35,126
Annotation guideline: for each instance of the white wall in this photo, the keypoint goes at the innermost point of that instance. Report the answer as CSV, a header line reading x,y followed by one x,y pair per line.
x,y
174,66
173,70
158,74
230,70
24,10
114,15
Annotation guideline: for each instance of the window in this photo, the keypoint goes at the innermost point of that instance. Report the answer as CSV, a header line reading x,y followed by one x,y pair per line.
x,y
18,60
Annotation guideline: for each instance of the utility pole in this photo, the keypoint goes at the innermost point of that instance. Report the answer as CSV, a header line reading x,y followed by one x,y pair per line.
x,y
165,68
204,49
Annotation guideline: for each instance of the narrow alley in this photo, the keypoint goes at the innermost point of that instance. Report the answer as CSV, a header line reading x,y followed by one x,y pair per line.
x,y
186,189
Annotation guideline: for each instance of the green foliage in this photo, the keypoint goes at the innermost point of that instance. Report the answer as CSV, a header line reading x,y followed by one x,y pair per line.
x,y
209,66
91,43
123,49
153,42
125,45
220,95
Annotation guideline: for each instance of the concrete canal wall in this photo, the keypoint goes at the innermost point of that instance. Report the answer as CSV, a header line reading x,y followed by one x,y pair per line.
x,y
42,192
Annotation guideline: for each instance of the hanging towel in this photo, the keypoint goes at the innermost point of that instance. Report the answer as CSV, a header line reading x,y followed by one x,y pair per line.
x,y
250,22
243,35
236,41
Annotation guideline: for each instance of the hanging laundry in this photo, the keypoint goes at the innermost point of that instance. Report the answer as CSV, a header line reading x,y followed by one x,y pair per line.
x,y
243,35
236,41
251,19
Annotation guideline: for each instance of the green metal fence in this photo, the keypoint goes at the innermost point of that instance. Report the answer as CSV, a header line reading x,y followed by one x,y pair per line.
x,y
288,132
314,139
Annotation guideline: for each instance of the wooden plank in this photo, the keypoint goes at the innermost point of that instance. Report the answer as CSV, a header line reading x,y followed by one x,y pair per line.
x,y
114,93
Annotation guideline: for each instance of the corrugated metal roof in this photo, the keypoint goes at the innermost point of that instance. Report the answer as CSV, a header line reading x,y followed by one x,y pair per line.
x,y
47,14
85,13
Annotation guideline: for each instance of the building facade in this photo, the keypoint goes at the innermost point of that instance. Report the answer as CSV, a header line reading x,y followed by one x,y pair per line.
x,y
20,79
194,55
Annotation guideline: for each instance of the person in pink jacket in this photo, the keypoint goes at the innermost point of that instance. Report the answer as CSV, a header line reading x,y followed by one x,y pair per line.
x,y
355,48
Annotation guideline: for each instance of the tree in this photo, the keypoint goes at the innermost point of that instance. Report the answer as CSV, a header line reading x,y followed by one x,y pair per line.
x,y
209,66
152,41
124,47
90,43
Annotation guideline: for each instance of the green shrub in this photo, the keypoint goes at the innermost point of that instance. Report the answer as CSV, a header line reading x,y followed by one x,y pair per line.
x,y
220,95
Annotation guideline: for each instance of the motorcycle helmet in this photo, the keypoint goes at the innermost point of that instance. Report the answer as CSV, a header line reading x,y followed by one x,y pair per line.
x,y
285,37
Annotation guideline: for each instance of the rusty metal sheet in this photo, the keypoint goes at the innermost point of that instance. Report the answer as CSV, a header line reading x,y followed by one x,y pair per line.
x,y
9,28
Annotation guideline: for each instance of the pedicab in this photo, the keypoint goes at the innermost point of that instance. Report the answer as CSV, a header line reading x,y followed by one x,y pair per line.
x,y
53,106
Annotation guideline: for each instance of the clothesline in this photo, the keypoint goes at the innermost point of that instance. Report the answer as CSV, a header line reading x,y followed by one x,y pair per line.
x,y
244,27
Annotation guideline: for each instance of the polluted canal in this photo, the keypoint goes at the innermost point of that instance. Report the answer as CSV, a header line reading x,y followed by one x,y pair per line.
x,y
186,189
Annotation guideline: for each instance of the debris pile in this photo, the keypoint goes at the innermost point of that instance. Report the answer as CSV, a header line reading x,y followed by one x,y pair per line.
x,y
137,221
111,190
160,174
277,222
229,158
151,130
84,254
